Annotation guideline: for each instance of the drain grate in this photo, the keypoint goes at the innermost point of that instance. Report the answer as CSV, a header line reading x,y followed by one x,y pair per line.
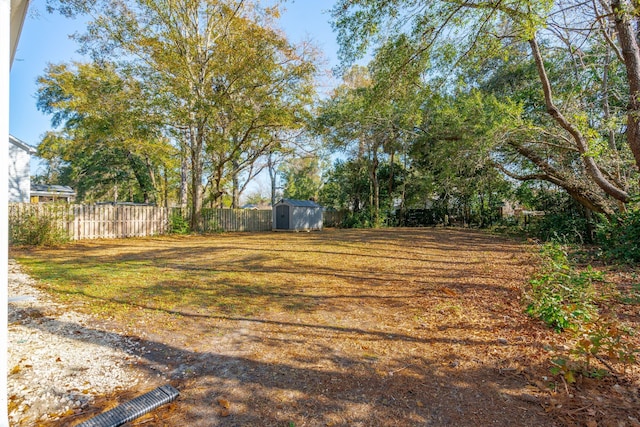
x,y
133,409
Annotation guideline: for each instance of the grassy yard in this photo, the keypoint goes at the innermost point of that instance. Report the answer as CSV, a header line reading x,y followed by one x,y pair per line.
x,y
361,327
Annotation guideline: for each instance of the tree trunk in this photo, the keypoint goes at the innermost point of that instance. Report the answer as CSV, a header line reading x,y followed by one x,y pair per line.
x,y
184,180
375,189
391,175
235,191
631,55
197,141
272,177
166,188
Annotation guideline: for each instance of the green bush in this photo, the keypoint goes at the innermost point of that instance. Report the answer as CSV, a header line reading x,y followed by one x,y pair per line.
x,y
567,299
178,224
34,228
561,227
560,296
619,236
364,219
360,219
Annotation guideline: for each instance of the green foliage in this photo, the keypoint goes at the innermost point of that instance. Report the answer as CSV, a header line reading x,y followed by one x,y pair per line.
x,y
483,47
633,296
37,229
363,219
256,198
619,236
301,179
178,224
569,300
564,220
564,228
104,119
606,337
193,90
346,186
560,296
605,340
452,161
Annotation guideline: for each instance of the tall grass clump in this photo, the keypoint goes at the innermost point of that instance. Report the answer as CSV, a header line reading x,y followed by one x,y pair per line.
x,y
34,228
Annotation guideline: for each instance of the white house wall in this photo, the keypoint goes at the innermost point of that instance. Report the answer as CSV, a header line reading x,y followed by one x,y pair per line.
x,y
19,179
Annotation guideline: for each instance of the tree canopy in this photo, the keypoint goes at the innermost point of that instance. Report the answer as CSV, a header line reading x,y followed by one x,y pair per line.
x,y
564,72
217,80
462,107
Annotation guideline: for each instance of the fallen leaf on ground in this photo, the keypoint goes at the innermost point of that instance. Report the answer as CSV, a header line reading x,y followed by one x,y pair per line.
x,y
224,403
449,292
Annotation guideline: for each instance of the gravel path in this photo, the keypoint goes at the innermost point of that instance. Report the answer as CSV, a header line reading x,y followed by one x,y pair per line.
x,y
58,362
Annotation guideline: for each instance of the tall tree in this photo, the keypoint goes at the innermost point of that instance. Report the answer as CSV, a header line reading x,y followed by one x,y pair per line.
x,y
217,71
104,120
373,113
458,33
301,178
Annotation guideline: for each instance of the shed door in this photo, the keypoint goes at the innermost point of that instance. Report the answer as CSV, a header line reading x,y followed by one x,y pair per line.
x,y
282,217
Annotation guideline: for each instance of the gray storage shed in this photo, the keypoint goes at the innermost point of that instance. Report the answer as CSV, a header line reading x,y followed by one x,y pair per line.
x,y
290,214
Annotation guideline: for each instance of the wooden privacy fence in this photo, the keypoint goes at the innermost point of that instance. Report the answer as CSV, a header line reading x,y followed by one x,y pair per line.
x,y
97,221
113,222
214,220
332,218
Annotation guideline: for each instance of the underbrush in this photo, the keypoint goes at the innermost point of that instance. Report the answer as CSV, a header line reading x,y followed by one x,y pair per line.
x,y
619,237
582,305
33,229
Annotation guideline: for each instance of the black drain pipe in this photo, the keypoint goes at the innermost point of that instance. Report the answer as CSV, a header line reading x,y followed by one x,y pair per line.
x,y
133,409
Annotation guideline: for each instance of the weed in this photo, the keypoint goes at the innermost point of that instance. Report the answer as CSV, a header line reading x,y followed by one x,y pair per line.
x,y
568,300
38,229
604,339
560,296
619,236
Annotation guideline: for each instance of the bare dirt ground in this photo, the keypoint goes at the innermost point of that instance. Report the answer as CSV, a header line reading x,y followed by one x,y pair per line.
x,y
403,327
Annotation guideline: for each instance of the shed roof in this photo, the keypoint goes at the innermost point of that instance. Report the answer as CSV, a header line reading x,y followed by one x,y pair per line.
x,y
300,203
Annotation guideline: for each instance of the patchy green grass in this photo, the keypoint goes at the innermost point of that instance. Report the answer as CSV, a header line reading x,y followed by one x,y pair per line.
x,y
236,274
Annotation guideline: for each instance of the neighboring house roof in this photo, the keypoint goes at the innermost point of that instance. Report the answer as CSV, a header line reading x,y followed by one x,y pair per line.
x,y
300,203
20,144
46,190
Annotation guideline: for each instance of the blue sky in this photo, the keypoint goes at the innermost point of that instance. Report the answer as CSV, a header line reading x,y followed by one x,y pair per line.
x,y
45,39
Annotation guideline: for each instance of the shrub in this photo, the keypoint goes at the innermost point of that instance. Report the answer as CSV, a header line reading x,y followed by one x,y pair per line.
x,y
561,227
560,296
566,299
37,228
178,224
619,236
606,337
360,219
